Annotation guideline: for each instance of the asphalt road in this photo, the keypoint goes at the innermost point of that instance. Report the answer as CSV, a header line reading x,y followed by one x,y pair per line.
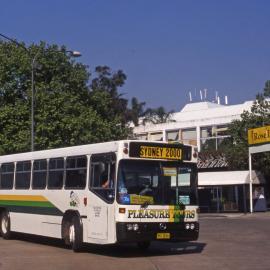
x,y
226,242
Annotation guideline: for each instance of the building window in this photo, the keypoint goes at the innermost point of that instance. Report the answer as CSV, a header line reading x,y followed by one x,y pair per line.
x,y
214,137
189,136
172,135
141,136
157,136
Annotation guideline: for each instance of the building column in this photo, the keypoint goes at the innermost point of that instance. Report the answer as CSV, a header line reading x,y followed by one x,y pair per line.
x,y
164,135
245,198
198,133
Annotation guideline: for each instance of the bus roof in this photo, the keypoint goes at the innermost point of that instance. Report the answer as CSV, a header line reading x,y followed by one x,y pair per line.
x,y
70,151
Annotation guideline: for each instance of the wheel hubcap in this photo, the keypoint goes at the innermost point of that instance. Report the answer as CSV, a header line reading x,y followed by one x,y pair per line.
x,y
71,233
4,225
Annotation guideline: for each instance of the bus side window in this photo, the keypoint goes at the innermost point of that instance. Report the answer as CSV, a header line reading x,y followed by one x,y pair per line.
x,y
39,174
23,175
102,175
7,176
56,173
76,170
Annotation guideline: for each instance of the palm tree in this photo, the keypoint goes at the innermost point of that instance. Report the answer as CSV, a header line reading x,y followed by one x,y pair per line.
x,y
136,111
158,116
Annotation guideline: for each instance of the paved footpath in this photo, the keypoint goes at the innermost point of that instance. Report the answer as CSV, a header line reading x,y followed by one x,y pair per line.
x,y
234,241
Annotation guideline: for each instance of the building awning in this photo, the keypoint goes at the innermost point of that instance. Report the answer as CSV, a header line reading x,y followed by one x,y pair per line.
x,y
229,178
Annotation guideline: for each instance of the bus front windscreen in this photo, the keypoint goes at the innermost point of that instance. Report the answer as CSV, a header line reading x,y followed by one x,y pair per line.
x,y
157,183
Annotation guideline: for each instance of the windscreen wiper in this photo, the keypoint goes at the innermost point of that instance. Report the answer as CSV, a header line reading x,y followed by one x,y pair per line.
x,y
145,204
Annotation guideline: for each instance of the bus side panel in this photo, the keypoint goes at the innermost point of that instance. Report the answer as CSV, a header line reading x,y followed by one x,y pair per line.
x,y
36,224
100,221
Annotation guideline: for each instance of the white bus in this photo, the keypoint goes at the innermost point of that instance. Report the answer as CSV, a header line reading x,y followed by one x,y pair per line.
x,y
113,192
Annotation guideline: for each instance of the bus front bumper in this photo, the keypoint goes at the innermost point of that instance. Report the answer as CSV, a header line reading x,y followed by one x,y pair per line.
x,y
136,232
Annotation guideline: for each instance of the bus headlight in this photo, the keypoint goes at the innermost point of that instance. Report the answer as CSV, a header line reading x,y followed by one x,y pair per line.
x,y
129,227
135,227
187,226
192,226
132,227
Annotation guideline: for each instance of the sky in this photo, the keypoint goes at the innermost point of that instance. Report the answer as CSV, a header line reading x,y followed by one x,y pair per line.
x,y
167,48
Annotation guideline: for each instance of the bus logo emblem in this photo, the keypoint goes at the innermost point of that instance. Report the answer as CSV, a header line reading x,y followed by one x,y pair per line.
x,y
162,226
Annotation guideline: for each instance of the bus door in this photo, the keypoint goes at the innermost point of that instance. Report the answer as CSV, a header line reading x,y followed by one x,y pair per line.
x,y
102,186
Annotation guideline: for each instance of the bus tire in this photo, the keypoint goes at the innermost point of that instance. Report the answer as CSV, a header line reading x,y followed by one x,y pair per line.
x,y
5,225
74,233
143,245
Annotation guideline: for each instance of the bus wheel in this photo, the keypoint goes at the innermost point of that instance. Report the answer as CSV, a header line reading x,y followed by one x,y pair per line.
x,y
143,245
74,234
5,225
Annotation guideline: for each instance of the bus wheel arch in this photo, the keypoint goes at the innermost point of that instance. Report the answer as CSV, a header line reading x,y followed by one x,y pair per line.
x,y
5,224
72,230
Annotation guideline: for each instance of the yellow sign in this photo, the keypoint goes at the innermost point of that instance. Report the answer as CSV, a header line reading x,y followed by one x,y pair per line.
x,y
259,135
160,152
163,235
167,171
138,199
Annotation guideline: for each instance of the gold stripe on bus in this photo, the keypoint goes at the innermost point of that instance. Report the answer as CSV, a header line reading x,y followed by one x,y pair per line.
x,y
171,211
35,198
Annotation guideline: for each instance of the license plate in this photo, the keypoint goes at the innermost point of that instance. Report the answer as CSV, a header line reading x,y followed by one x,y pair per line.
x,y
163,235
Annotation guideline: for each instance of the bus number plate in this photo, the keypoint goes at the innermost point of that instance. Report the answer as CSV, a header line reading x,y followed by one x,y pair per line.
x,y
163,235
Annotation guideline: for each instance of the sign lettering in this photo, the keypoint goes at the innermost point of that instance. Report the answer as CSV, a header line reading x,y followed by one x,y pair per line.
x,y
259,135
160,152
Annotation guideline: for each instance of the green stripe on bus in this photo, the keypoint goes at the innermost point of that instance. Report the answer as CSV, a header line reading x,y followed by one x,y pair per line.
x,y
179,214
27,203
52,211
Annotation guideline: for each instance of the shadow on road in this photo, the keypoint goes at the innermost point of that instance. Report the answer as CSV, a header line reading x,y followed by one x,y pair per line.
x,y
123,250
156,249
42,240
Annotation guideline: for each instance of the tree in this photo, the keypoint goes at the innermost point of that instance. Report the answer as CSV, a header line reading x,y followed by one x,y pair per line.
x,y
108,103
157,116
237,152
136,111
67,111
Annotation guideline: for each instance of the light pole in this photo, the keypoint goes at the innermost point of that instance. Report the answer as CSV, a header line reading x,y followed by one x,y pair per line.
x,y
33,64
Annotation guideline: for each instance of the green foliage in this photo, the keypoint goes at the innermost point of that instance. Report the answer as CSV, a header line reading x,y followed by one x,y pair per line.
x,y
104,96
67,111
237,151
158,115
136,111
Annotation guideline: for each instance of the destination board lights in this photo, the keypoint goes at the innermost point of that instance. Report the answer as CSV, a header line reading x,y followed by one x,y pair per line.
x,y
147,150
160,152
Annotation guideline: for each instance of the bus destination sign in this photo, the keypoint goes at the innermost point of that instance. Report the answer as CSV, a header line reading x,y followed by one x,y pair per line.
x,y
157,151
160,152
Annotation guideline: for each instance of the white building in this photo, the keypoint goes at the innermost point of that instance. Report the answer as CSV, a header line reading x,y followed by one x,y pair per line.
x,y
205,125
195,124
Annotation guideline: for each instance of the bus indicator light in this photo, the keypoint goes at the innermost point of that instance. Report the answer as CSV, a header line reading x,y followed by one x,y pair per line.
x,y
122,210
125,149
195,154
85,201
